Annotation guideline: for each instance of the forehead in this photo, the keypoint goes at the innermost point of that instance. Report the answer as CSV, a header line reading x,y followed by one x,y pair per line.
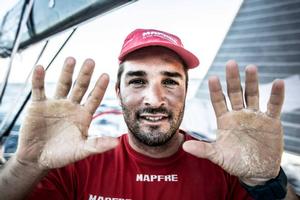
x,y
152,60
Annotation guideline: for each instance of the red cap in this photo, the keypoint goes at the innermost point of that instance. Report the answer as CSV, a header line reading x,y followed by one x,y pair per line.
x,y
140,38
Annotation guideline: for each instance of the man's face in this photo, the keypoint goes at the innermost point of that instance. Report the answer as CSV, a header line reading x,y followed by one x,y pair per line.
x,y
152,94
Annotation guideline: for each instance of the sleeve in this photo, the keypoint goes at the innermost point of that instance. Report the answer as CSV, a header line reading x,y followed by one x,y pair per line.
x,y
58,185
236,191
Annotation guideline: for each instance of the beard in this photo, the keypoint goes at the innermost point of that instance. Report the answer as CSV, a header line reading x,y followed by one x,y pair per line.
x,y
153,135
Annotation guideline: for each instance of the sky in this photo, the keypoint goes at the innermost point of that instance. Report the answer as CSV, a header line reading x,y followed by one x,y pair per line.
x,y
201,25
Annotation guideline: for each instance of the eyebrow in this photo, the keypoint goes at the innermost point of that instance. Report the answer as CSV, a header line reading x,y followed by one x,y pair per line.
x,y
172,74
141,73
135,73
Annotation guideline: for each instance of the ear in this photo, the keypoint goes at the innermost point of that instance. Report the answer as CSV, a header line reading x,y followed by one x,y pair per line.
x,y
117,89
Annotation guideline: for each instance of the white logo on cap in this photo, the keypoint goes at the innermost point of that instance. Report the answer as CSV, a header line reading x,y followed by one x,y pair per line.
x,y
161,35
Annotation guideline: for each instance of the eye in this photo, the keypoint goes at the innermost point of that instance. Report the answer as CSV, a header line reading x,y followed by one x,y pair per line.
x,y
137,82
170,82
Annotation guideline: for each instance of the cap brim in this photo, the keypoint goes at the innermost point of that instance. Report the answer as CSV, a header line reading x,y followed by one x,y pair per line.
x,y
189,58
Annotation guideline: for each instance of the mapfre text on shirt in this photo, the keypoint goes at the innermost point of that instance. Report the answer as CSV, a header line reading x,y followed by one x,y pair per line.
x,y
156,178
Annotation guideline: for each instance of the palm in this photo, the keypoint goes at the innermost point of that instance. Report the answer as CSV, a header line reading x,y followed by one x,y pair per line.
x,y
54,132
246,141
249,143
54,126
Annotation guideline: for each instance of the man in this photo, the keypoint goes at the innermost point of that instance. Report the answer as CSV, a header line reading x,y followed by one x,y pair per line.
x,y
155,160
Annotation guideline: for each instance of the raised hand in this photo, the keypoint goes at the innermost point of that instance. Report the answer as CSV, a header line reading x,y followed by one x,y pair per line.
x,y
249,143
54,132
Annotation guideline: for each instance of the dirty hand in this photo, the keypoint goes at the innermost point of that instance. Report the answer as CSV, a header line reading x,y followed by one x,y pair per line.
x,y
54,132
249,143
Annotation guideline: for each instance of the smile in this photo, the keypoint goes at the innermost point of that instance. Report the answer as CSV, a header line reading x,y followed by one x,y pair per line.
x,y
154,118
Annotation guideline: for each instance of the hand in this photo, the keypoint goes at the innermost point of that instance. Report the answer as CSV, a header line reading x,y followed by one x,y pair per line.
x,y
54,132
249,143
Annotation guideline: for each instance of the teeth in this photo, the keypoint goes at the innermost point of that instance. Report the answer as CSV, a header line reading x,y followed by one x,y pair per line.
x,y
153,118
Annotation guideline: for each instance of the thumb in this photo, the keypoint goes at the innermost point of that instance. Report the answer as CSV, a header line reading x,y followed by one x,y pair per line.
x,y
99,144
201,149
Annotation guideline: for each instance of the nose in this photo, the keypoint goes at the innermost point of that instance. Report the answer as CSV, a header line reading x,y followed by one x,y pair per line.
x,y
154,96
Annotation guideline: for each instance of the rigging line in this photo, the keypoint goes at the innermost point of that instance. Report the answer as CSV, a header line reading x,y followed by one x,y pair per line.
x,y
24,18
7,116
62,46
6,131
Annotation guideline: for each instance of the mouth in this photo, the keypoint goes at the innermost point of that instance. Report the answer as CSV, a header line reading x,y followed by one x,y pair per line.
x,y
154,119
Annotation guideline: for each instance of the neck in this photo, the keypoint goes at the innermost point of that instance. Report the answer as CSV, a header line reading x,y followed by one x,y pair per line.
x,y
166,150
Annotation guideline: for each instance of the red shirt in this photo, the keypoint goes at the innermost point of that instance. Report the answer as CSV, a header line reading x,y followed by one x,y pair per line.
x,y
123,174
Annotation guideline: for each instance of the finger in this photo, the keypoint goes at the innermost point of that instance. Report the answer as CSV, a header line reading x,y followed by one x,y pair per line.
x,y
99,145
251,87
65,80
276,99
83,80
97,94
201,149
234,88
38,91
217,97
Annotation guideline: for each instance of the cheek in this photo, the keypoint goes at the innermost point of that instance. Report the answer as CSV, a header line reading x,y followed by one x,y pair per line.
x,y
176,97
131,99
